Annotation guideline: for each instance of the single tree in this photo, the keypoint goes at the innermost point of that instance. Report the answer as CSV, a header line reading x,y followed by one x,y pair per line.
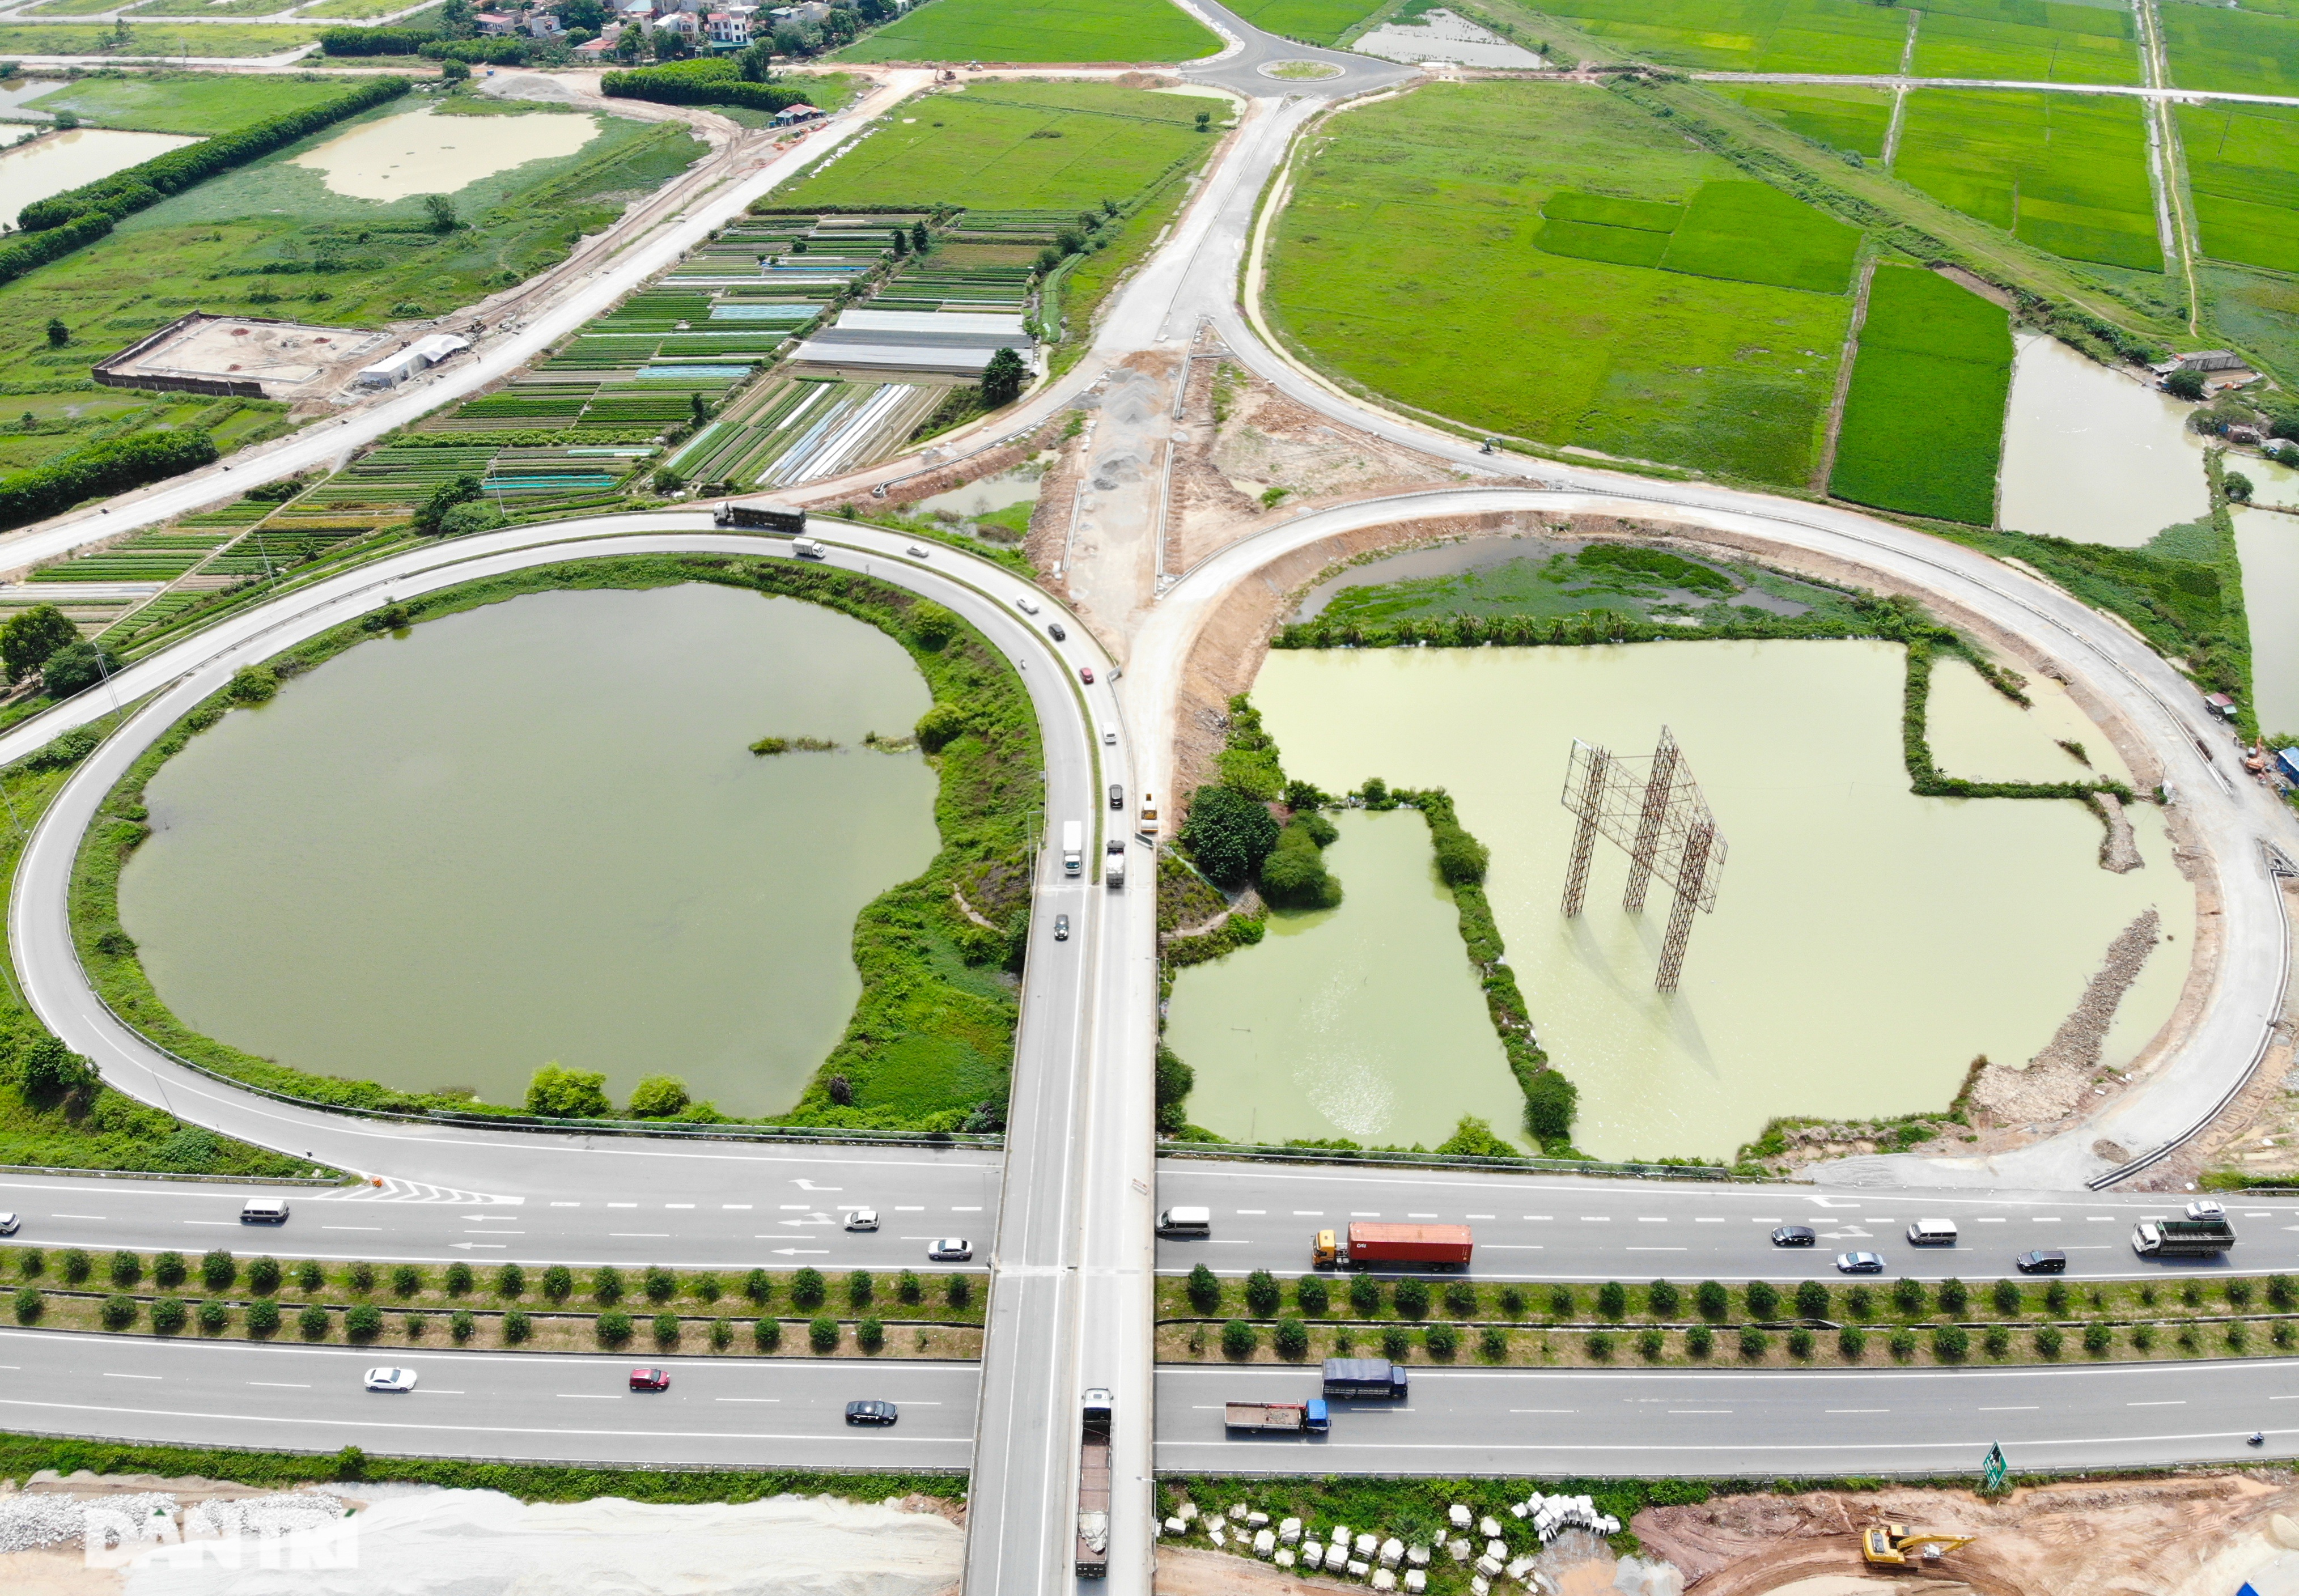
x,y
59,335
2237,487
560,1093
1001,379
1228,833
901,243
657,1097
2184,384
442,212
27,641
919,240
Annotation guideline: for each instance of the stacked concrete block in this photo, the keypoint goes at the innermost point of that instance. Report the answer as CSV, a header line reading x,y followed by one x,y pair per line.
x,y
1415,1581
1488,1566
1256,1519
1237,1512
1552,1516
1488,1527
1497,1550
1213,1532
1187,1511
1357,1570
1457,1516
1384,1579
1457,1550
1518,1568
1365,1544
1479,1585
1288,1531
1418,1556
1313,1555
1284,1559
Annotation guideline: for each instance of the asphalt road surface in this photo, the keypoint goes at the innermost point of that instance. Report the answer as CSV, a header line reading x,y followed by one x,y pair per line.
x,y
1756,1422
755,1413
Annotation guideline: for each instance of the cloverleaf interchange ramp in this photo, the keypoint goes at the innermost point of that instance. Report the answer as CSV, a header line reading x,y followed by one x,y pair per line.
x,y
1071,1210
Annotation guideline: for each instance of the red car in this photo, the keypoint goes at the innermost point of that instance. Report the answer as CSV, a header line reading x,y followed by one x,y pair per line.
x,y
1085,674
650,1379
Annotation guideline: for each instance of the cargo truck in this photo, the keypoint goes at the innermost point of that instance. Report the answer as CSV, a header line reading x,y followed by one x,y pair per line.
x,y
1073,848
1438,1246
1290,1418
1364,1377
765,518
807,548
1114,873
1093,1486
2182,1238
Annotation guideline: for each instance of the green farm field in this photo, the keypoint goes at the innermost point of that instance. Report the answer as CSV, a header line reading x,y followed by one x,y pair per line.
x,y
202,8
208,248
1766,36
154,40
69,8
2030,41
1842,118
2239,52
2243,166
1324,21
1408,263
2064,172
1013,146
1923,426
188,102
1064,30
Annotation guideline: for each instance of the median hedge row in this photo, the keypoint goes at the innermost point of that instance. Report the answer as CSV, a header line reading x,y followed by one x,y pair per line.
x,y
147,183
713,80
110,467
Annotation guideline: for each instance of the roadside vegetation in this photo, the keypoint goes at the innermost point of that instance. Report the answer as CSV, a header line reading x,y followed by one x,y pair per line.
x,y
756,1312
931,1040
1884,1324
1060,30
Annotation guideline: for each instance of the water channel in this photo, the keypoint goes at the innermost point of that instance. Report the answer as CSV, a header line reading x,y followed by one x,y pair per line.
x,y
1848,905
60,161
534,831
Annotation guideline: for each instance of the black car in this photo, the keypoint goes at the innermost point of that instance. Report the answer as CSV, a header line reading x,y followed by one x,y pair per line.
x,y
1054,630
2041,1263
871,1413
1117,795
1795,1236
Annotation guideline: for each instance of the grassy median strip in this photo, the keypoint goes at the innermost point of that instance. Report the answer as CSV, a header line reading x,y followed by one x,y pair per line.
x,y
1262,1319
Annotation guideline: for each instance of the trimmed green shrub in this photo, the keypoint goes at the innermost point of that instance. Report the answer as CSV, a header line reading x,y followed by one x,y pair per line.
x,y
262,1275
168,1270
127,1268
558,1282
1396,1344
1364,1295
1951,1344
313,1321
1613,1300
1901,1344
1812,1299
262,1318
758,1286
612,1328
1712,1299
1311,1296
1753,1342
2048,1342
808,1288
1763,1299
364,1321
1291,1339
1651,1345
1699,1341
214,1317
510,1281
766,1335
459,1281
1411,1296
1852,1343
606,1285
822,1334
1800,1344
1599,1343
1492,1343
667,1329
660,1284
1261,1294
1663,1300
1442,1340
516,1326
1238,1339
2005,1295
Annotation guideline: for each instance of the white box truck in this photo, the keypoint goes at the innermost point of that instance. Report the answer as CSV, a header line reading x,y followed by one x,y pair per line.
x,y
1114,870
1073,848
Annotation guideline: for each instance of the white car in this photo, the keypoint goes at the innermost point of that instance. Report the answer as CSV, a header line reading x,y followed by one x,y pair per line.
x,y
952,1249
1026,606
390,1379
916,552
862,1218
7,1224
2204,1208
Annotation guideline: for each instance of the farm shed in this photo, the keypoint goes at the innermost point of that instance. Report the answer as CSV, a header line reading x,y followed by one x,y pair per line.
x,y
922,346
395,369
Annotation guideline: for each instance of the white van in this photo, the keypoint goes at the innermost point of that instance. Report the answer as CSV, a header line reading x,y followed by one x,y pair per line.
x,y
1109,733
1932,1232
1186,1221
263,1211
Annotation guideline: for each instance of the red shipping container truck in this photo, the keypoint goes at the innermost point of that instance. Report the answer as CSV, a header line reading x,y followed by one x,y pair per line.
x,y
1438,1246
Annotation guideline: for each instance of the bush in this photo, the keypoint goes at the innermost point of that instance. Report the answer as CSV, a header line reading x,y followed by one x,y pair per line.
x,y
606,1285
2238,1292
1753,1342
1800,1344
860,1287
1599,1343
127,1268
361,1277
511,1281
1953,1299
758,1286
213,1316
2048,1342
1364,1295
406,1280
1412,1298
2005,1295
364,1321
414,1325
1238,1339
2280,1291
1294,876
1261,1294
75,1265
908,1287
1311,1296
1513,1301
1293,1339
1551,1103
722,1334
1652,1345
1492,1343
1951,1344
1860,1302
1663,1300
870,1334
560,1093
262,1318
1997,1341
459,1280
822,1334
2056,1296
1396,1344
1908,1296
660,1284
31,1262
1228,833
2097,1339
958,1290
667,1329
168,1270
1560,1301
1613,1300
1461,858
1902,1343
808,1288
1763,1299
1442,1340
1811,1300
516,1326
312,1321
1699,1341
558,1282
612,1327
1852,1343
264,1276
1712,1301
108,470
766,1335
657,1097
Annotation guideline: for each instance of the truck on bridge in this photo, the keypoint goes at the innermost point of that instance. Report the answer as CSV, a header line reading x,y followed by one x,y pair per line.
x,y
1438,1246
763,517
1093,1486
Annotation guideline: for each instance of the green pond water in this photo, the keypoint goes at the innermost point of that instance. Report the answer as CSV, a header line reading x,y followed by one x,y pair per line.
x,y
1867,944
534,831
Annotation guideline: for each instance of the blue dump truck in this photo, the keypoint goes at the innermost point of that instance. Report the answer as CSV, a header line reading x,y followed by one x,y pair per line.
x,y
1364,1377
1278,1418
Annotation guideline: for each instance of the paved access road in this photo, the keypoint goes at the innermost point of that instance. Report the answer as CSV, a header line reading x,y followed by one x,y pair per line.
x,y
787,1413
1756,1422
1536,1229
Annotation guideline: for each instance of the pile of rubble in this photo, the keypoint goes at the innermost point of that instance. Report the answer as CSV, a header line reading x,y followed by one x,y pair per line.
x,y
264,1516
1388,1563
30,1519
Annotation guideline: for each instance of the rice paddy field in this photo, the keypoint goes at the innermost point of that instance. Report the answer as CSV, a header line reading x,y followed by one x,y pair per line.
x,y
1842,118
2243,168
1923,426
1420,257
1012,147
2067,173
2034,41
198,102
273,238
1038,30
1758,36
155,39
2240,52
1320,21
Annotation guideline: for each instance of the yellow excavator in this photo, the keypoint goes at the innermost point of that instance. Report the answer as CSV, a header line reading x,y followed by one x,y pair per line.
x,y
1896,1546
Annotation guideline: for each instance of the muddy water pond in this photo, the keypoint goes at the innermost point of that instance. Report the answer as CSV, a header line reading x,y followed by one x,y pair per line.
x,y
1363,1021
61,161
1848,909
420,152
2091,455
535,831
2267,545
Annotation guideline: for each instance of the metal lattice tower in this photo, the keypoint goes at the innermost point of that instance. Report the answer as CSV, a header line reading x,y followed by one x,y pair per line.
x,y
1658,817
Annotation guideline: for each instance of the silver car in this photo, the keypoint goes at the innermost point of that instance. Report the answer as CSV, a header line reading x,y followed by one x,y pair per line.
x,y
1859,1263
862,1218
952,1249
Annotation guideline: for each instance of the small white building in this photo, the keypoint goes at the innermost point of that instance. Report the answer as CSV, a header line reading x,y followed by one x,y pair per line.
x,y
421,355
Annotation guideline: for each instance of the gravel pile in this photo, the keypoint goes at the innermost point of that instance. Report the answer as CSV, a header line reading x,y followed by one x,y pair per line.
x,y
264,1516
35,1518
